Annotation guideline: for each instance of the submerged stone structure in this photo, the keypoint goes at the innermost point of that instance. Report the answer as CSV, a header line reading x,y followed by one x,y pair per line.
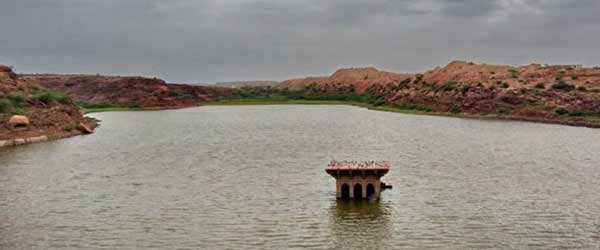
x,y
358,180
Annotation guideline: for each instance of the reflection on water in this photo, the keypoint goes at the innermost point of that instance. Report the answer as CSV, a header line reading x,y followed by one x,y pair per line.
x,y
357,224
252,177
359,211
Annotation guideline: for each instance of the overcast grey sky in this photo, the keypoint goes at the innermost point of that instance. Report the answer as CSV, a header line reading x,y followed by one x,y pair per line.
x,y
223,40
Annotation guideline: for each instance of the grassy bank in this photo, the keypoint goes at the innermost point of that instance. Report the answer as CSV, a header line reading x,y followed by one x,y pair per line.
x,y
589,121
369,100
96,110
105,107
592,122
282,101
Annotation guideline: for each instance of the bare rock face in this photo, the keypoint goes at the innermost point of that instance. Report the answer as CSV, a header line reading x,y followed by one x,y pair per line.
x,y
4,68
18,123
84,129
8,71
129,90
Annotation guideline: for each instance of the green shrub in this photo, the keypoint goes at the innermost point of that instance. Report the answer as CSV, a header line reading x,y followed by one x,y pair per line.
x,y
504,85
540,85
410,106
11,102
576,113
403,84
514,73
69,128
49,96
18,111
134,106
563,86
564,111
418,78
455,109
432,86
582,88
561,111
176,92
5,105
503,111
465,89
447,86
102,105
16,97
378,102
574,77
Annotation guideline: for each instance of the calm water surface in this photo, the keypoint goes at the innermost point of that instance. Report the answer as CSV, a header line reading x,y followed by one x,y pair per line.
x,y
252,177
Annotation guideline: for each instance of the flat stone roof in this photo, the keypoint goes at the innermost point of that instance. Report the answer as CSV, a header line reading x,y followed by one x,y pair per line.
x,y
356,165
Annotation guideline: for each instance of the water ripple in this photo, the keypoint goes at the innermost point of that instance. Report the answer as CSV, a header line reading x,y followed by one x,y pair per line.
x,y
251,177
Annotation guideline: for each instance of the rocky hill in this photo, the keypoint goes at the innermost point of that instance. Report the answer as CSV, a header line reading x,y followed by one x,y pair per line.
x,y
30,112
359,79
568,94
129,91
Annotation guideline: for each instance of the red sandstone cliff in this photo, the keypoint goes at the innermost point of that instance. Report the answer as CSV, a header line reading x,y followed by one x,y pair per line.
x,y
128,91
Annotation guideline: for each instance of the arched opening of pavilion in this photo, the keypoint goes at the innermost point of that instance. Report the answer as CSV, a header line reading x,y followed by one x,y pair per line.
x,y
345,191
357,191
370,190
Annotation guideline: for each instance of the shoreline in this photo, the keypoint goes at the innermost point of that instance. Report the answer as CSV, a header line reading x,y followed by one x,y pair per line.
x,y
240,102
43,137
383,108
117,109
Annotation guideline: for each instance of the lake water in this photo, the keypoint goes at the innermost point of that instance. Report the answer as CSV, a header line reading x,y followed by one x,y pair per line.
x,y
252,177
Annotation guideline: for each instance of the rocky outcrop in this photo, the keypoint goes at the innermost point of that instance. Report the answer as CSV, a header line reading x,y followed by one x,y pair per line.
x,y
129,91
30,113
567,94
18,122
84,128
356,79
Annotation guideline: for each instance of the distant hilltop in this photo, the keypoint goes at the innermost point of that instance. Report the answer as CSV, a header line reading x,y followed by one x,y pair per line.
x,y
460,71
566,94
128,91
239,84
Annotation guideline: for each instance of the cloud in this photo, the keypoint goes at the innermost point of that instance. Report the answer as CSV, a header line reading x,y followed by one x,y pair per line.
x,y
469,8
220,40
